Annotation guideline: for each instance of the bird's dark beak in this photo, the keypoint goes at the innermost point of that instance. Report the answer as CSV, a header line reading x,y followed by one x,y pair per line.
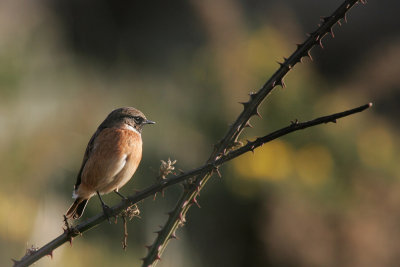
x,y
148,122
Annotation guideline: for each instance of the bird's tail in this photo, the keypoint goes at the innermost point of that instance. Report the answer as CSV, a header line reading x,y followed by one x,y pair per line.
x,y
77,208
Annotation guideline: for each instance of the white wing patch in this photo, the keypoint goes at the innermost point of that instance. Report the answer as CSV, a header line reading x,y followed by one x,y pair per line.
x,y
122,164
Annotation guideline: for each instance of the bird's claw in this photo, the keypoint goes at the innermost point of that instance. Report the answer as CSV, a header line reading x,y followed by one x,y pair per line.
x,y
107,212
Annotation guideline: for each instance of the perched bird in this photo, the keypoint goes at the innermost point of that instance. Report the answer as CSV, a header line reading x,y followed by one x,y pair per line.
x,y
111,158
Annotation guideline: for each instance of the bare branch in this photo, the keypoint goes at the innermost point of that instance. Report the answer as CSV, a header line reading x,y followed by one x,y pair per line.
x,y
71,232
250,109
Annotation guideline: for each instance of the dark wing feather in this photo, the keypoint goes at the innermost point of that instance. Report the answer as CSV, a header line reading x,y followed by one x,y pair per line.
x,y
88,151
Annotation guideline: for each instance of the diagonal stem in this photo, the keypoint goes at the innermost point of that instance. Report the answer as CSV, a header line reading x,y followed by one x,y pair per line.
x,y
250,109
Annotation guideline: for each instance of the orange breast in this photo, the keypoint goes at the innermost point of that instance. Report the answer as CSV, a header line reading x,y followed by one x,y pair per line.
x,y
113,160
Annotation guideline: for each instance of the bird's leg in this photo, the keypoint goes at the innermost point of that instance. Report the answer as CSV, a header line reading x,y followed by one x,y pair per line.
x,y
106,209
121,195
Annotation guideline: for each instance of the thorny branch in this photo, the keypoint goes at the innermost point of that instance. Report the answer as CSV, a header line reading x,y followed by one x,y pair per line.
x,y
177,216
223,152
71,232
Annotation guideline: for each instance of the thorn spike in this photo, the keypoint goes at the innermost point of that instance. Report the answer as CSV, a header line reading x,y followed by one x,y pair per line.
x,y
245,104
217,171
281,83
173,236
182,218
248,124
256,113
194,200
309,55
331,32
325,19
253,95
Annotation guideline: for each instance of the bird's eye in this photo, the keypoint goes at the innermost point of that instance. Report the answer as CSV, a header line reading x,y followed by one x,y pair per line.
x,y
138,119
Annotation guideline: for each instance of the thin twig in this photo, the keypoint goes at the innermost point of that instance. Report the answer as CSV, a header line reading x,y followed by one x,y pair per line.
x,y
128,214
125,238
151,190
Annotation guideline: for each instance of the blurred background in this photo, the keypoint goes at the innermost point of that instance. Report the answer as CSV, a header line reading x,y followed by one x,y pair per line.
x,y
326,196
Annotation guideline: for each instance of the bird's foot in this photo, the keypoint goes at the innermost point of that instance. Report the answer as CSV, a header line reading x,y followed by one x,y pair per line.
x,y
107,212
106,209
121,195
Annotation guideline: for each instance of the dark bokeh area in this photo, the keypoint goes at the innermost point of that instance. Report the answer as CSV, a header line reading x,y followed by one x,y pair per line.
x,y
326,196
137,33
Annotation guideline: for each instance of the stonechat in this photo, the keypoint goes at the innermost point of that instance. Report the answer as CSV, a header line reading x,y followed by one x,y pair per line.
x,y
111,158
